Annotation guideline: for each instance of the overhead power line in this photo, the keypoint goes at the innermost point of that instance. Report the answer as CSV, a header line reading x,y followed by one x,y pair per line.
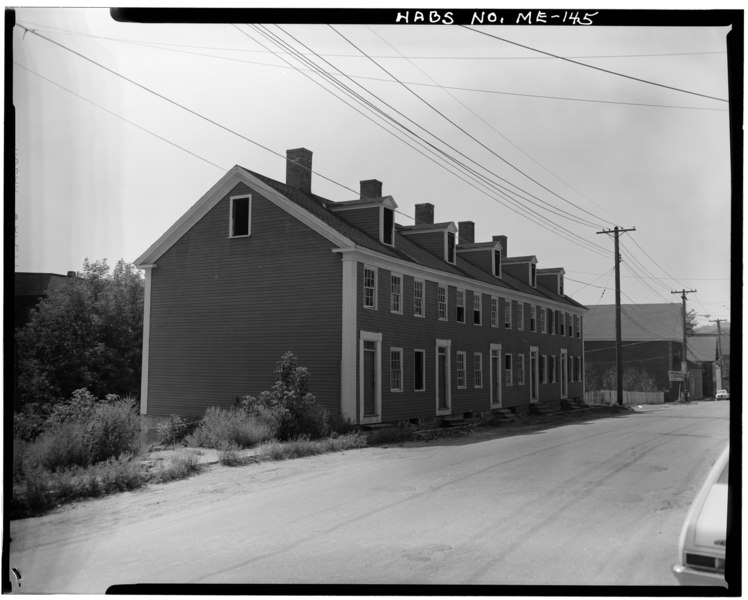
x,y
593,66
523,210
467,133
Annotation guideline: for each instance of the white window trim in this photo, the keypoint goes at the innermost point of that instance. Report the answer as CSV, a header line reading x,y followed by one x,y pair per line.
x,y
508,311
520,316
478,299
521,368
446,302
447,344
534,374
494,314
460,292
542,318
422,314
381,225
376,286
399,277
509,370
423,353
533,318
369,336
544,371
446,247
249,215
398,351
478,369
495,350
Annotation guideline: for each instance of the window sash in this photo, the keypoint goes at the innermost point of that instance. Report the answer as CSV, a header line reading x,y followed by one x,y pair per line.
x,y
477,301
418,298
370,288
478,369
396,369
460,303
396,294
461,370
442,302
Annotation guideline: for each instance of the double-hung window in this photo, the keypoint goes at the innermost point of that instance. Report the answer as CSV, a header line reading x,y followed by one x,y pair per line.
x,y
508,314
460,302
419,300
533,313
396,294
520,369
478,369
551,330
553,368
460,370
494,311
396,369
542,375
370,287
477,316
520,316
442,302
507,369
541,314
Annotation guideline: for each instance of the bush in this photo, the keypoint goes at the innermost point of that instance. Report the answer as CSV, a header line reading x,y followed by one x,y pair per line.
x,y
179,467
220,426
173,431
303,446
114,429
289,403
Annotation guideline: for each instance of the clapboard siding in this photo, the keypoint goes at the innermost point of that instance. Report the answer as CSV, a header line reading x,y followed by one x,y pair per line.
x,y
410,333
224,310
366,219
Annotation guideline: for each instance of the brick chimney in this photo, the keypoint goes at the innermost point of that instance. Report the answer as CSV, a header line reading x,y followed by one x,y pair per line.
x,y
425,213
502,240
371,188
299,169
467,232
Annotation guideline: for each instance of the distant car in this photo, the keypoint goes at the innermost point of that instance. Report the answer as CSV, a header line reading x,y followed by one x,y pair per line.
x,y
703,537
722,395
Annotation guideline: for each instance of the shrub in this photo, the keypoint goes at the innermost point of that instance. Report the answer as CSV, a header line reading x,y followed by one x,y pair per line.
x,y
303,446
78,408
340,425
173,431
62,446
220,426
390,436
29,422
114,429
289,403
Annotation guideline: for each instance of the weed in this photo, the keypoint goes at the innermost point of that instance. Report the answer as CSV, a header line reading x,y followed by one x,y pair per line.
x,y
389,436
172,431
220,426
181,466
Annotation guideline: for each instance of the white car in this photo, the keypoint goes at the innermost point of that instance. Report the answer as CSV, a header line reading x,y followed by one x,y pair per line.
x,y
704,535
722,395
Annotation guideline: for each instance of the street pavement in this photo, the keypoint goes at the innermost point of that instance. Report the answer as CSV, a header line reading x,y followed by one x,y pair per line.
x,y
595,502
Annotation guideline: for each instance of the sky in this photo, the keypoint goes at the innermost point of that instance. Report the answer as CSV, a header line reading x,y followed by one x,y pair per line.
x,y
545,134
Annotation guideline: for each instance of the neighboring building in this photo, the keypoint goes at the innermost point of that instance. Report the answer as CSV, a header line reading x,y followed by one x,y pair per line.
x,y
702,354
30,288
651,340
394,322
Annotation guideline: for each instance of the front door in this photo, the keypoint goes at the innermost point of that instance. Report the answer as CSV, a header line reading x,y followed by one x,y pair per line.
x,y
534,372
495,375
442,377
369,376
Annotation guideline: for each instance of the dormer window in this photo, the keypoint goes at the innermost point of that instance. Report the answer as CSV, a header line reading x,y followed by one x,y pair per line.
x,y
533,275
239,224
497,263
560,285
451,246
388,226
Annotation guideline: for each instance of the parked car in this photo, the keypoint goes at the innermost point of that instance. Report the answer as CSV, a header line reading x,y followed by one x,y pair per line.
x,y
704,534
722,395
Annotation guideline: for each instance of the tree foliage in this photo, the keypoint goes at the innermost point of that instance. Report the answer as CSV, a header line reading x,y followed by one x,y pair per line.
x,y
87,335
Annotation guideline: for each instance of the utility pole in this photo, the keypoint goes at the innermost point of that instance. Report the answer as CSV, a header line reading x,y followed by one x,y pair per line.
x,y
684,361
616,231
719,350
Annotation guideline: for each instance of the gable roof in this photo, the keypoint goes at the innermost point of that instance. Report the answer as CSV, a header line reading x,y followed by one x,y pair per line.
x,y
639,323
320,214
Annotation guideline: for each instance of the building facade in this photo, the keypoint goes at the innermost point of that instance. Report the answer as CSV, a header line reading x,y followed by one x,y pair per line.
x,y
393,322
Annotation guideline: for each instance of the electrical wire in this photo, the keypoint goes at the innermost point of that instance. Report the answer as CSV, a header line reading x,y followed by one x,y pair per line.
x,y
461,165
468,134
594,67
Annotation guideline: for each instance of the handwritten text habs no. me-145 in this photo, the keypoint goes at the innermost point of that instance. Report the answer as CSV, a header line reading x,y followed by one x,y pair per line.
x,y
482,17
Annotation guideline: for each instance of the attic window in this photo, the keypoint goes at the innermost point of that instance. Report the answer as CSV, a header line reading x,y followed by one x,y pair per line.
x,y
533,275
239,226
497,263
560,285
388,226
450,247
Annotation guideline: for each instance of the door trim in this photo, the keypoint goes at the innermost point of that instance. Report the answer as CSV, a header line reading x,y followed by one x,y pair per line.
x,y
495,403
447,344
370,336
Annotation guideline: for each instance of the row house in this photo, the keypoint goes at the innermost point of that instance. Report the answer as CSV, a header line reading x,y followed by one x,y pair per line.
x,y
394,322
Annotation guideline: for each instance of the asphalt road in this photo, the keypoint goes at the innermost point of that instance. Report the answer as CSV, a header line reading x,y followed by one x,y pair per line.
x,y
598,502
